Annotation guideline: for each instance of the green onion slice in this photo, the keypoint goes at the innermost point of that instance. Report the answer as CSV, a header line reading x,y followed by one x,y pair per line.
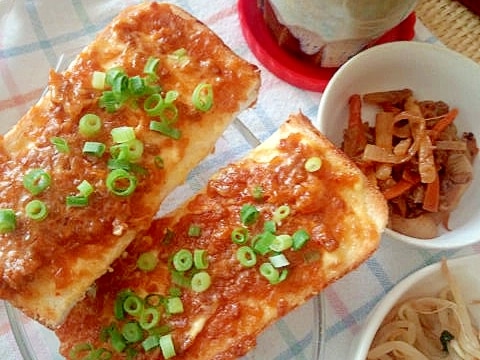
x,y
116,339
174,305
183,260
123,134
200,260
159,163
167,346
36,181
150,67
149,318
121,182
313,164
299,239
153,105
76,200
270,272
81,351
281,213
201,281
202,97
98,80
36,210
85,188
147,261
246,256
249,214
90,125
281,242
239,235
119,311
263,241
279,260
60,144
8,221
132,332
94,148
133,305
194,230
151,342
166,129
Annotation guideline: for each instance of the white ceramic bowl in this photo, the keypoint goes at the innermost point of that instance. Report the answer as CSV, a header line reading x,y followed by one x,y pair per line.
x,y
433,73
427,281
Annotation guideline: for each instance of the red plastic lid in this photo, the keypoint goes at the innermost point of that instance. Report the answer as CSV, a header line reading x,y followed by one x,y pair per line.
x,y
284,64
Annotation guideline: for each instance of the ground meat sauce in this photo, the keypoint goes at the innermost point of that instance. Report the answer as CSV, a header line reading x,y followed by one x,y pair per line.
x,y
67,232
230,303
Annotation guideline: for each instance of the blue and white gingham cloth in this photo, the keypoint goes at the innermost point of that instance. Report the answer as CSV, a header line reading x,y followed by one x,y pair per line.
x,y
35,34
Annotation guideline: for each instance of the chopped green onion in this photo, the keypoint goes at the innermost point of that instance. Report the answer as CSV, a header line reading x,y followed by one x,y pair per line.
x,y
132,332
239,235
167,346
76,200
77,351
117,340
133,305
202,97
60,144
147,261
200,260
151,342
98,80
279,260
281,242
119,311
36,210
313,164
183,260
194,230
171,96
121,183
135,150
248,214
299,238
270,226
246,256
112,74
36,181
201,281
136,86
180,56
149,318
150,67
165,129
174,305
169,113
159,163
281,213
123,134
109,102
94,148
90,125
153,105
269,272
263,241
257,193
8,221
101,354
120,86
85,188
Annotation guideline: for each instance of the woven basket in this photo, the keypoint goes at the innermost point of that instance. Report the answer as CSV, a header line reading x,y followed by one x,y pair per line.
x,y
453,24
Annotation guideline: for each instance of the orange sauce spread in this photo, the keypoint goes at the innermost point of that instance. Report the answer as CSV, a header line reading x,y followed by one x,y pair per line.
x,y
238,296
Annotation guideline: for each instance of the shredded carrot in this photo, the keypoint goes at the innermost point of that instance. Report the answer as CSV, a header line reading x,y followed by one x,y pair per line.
x,y
432,195
442,124
398,189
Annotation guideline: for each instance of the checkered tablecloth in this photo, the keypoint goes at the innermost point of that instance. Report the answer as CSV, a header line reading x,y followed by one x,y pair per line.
x,y
35,34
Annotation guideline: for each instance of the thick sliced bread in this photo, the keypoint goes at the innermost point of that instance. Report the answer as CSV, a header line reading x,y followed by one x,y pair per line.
x,y
46,266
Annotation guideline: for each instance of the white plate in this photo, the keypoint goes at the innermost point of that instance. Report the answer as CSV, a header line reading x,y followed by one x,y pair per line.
x,y
426,281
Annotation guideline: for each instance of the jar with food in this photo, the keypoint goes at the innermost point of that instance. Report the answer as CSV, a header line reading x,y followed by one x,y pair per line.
x,y
329,32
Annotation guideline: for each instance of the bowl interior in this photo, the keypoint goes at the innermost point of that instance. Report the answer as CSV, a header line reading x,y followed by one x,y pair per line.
x,y
433,73
427,281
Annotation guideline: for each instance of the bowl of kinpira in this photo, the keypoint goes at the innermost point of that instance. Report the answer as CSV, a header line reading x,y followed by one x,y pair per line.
x,y
407,114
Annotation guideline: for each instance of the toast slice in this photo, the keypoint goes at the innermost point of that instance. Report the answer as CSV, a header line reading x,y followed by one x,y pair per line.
x,y
153,131
296,184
